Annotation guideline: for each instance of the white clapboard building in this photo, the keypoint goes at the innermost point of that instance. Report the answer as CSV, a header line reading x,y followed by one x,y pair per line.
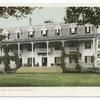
x,y
32,44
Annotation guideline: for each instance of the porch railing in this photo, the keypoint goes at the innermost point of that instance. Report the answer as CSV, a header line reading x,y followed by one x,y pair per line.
x,y
42,50
72,49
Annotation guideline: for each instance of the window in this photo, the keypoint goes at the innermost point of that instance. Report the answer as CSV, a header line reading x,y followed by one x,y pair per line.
x,y
29,48
57,32
89,59
57,47
29,61
98,54
57,61
73,31
88,45
72,60
31,34
18,35
87,29
7,36
44,33
98,44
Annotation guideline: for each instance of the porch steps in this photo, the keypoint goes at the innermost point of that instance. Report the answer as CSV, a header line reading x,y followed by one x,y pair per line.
x,y
39,70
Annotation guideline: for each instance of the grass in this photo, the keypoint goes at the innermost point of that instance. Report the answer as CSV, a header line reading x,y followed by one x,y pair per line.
x,y
39,70
68,79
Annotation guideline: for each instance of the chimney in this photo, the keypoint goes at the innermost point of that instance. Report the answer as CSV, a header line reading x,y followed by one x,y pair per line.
x,y
30,21
48,22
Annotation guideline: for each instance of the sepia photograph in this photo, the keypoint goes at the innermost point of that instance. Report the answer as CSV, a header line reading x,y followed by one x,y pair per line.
x,y
49,46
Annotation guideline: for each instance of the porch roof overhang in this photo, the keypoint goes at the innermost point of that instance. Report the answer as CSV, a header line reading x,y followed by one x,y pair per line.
x,y
51,39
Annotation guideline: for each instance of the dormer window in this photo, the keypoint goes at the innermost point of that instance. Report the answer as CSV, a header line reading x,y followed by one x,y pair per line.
x,y
18,33
57,30
87,29
44,31
6,34
30,32
73,29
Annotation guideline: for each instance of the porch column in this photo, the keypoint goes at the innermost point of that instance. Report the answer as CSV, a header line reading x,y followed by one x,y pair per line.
x,y
19,50
63,43
47,52
1,50
95,42
32,54
94,51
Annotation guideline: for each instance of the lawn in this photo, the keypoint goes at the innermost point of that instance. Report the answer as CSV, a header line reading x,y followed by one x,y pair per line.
x,y
68,79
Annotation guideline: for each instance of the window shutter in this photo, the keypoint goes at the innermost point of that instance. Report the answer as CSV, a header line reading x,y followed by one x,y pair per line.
x,y
92,59
85,59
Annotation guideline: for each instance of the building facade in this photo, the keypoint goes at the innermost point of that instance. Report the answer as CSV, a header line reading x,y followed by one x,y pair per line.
x,y
34,44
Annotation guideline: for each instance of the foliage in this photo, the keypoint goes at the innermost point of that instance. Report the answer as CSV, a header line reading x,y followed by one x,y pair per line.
x,y
16,59
63,56
75,56
17,11
1,37
6,58
6,12
83,15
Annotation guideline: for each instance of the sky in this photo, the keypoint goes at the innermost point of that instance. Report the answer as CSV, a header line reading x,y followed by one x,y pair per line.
x,y
56,14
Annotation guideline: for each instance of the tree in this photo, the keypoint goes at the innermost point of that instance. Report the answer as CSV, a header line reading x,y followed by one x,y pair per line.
x,y
63,56
83,15
6,58
6,12
17,11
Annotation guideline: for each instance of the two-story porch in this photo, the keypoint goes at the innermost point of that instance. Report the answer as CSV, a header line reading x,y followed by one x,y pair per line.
x,y
48,52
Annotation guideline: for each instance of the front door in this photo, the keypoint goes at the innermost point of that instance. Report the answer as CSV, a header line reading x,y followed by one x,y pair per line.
x,y
29,62
20,61
44,61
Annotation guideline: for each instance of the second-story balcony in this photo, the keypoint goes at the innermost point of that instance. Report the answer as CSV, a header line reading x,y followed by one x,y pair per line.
x,y
72,48
16,51
42,50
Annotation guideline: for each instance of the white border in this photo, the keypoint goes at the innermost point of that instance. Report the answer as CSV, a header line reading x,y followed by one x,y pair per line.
x,y
50,91
50,3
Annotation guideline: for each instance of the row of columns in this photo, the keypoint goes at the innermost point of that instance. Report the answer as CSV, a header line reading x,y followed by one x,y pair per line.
x,y
95,46
95,50
32,43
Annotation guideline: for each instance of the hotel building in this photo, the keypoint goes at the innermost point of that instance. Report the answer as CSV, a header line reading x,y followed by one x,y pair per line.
x,y
32,44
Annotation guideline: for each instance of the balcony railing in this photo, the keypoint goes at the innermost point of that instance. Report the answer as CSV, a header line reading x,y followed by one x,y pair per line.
x,y
16,51
42,50
72,48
